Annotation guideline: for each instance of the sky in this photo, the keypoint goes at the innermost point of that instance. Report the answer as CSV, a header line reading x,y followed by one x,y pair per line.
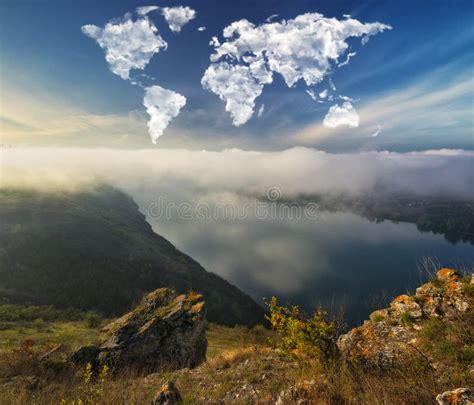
x,y
409,88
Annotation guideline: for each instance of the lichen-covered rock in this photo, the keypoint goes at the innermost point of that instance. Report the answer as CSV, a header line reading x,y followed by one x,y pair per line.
x,y
404,304
391,334
166,331
429,297
167,395
459,396
447,275
302,393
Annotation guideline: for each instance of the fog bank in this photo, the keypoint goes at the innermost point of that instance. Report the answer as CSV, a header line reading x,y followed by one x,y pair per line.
x,y
294,171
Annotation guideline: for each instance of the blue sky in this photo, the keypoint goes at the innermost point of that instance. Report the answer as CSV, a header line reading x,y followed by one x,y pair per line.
x,y
414,82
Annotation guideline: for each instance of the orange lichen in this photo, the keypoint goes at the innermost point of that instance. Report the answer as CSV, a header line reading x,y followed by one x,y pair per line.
x,y
180,298
196,308
405,299
453,287
447,274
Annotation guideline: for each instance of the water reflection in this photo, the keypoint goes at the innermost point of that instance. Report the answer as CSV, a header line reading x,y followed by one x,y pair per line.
x,y
340,258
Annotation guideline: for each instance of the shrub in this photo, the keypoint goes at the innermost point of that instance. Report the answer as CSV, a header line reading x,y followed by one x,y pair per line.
x,y
314,335
39,324
469,289
93,320
29,313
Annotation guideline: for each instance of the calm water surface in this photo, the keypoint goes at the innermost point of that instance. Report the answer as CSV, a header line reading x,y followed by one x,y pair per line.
x,y
337,258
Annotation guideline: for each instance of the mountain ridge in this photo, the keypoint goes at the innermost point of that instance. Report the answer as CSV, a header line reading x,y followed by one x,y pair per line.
x,y
46,256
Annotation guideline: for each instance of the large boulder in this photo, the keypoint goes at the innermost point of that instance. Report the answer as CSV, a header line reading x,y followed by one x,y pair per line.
x,y
391,335
165,331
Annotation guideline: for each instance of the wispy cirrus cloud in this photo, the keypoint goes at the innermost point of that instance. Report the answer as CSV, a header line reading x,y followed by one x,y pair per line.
x,y
144,10
436,103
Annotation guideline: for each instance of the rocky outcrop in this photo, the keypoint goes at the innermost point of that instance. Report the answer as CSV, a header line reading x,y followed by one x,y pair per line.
x,y
166,331
167,395
391,335
459,396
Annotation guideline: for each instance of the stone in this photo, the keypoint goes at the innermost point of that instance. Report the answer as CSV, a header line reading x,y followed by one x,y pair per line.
x,y
391,335
404,304
429,297
458,396
165,331
302,393
167,395
447,275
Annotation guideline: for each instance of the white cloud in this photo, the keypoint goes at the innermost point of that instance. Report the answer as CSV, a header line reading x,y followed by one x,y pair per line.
x,y
312,94
237,86
144,10
128,44
162,105
272,17
214,42
177,17
428,107
346,115
324,93
345,98
348,58
304,48
201,29
377,132
261,110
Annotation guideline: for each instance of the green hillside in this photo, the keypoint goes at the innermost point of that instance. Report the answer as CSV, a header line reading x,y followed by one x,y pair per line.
x,y
94,250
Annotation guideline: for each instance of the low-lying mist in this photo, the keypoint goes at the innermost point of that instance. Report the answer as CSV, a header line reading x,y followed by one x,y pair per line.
x,y
294,171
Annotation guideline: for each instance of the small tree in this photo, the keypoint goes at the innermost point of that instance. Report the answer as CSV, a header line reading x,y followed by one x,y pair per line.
x,y
314,335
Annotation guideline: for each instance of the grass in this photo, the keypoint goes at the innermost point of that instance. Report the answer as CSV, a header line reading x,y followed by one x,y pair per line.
x,y
406,319
222,339
21,347
378,318
243,367
469,289
69,333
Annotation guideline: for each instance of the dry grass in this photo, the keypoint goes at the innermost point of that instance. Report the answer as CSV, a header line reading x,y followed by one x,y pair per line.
x,y
242,368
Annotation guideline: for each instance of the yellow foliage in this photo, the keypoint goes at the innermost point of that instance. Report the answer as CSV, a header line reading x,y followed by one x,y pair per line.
x,y
314,335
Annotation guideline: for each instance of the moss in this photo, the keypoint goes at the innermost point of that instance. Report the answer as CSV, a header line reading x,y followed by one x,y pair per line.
x,y
378,318
437,283
166,309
